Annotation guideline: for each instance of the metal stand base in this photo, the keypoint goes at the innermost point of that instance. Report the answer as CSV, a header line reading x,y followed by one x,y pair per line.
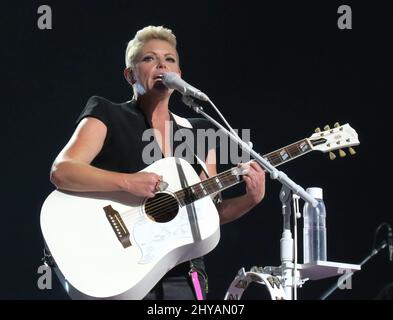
x,y
272,277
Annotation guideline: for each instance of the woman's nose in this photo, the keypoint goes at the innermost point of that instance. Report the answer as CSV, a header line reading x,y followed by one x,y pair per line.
x,y
161,63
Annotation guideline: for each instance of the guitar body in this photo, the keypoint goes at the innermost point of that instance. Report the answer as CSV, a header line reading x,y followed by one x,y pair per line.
x,y
87,243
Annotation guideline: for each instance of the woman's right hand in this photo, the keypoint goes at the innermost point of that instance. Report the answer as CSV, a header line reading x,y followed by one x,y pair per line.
x,y
141,184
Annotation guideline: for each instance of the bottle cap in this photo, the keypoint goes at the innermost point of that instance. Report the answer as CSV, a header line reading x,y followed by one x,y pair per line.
x,y
315,192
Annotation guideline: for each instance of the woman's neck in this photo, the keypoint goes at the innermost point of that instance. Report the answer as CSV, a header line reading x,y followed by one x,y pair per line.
x,y
155,110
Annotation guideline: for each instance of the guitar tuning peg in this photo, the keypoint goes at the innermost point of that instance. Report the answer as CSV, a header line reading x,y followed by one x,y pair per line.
x,y
326,127
317,130
336,125
352,151
332,156
342,153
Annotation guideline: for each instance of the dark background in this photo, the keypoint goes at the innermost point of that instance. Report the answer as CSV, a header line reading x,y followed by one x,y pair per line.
x,y
279,69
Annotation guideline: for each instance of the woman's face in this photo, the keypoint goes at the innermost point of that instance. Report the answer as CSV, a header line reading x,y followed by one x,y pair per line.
x,y
155,58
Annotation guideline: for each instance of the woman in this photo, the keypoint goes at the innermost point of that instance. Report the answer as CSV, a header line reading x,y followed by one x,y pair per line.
x,y
105,151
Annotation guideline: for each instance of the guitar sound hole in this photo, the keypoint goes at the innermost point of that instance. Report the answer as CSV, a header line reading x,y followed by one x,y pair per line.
x,y
162,208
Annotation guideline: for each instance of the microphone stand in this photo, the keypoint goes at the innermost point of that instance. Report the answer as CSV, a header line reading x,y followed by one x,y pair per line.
x,y
341,280
288,267
274,173
286,246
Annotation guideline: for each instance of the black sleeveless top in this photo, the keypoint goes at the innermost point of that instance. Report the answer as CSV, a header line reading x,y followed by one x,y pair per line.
x,y
123,146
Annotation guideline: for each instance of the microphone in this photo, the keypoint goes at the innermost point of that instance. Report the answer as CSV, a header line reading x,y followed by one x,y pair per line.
x,y
172,81
390,243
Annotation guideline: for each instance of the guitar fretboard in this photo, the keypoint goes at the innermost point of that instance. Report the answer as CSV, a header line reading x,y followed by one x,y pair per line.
x,y
232,177
288,153
207,187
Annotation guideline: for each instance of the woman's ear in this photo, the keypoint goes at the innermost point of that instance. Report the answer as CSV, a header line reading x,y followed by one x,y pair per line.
x,y
129,76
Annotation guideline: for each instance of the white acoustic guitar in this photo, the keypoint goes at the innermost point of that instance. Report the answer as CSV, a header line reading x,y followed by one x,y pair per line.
x,y
112,245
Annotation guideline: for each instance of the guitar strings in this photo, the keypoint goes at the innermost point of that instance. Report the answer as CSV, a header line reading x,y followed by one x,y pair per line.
x,y
223,174
180,194
158,205
272,156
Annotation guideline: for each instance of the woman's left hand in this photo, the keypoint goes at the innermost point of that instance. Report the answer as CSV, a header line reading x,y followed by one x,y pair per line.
x,y
255,182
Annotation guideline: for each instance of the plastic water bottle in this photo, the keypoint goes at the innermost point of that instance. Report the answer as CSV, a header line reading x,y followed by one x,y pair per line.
x,y
314,228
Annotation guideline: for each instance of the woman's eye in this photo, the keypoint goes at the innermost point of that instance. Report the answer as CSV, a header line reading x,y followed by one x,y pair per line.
x,y
170,59
147,58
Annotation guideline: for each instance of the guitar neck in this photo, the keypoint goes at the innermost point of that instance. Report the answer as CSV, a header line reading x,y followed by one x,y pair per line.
x,y
230,177
288,153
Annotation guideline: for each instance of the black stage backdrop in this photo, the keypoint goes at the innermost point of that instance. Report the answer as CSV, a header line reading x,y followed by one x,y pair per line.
x,y
278,69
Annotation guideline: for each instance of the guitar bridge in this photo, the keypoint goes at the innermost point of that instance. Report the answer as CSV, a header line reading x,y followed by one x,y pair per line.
x,y
118,226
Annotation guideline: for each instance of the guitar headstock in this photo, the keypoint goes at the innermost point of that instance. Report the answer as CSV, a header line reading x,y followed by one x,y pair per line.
x,y
335,138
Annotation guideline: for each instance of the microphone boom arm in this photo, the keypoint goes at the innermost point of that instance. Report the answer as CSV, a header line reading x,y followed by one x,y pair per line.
x,y
274,173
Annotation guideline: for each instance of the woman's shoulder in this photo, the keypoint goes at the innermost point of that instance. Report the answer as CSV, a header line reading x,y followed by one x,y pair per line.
x,y
96,101
106,110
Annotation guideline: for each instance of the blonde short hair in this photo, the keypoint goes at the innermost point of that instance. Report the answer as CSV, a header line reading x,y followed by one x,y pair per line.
x,y
144,35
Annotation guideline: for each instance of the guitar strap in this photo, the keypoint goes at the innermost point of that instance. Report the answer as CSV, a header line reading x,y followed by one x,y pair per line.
x,y
194,270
